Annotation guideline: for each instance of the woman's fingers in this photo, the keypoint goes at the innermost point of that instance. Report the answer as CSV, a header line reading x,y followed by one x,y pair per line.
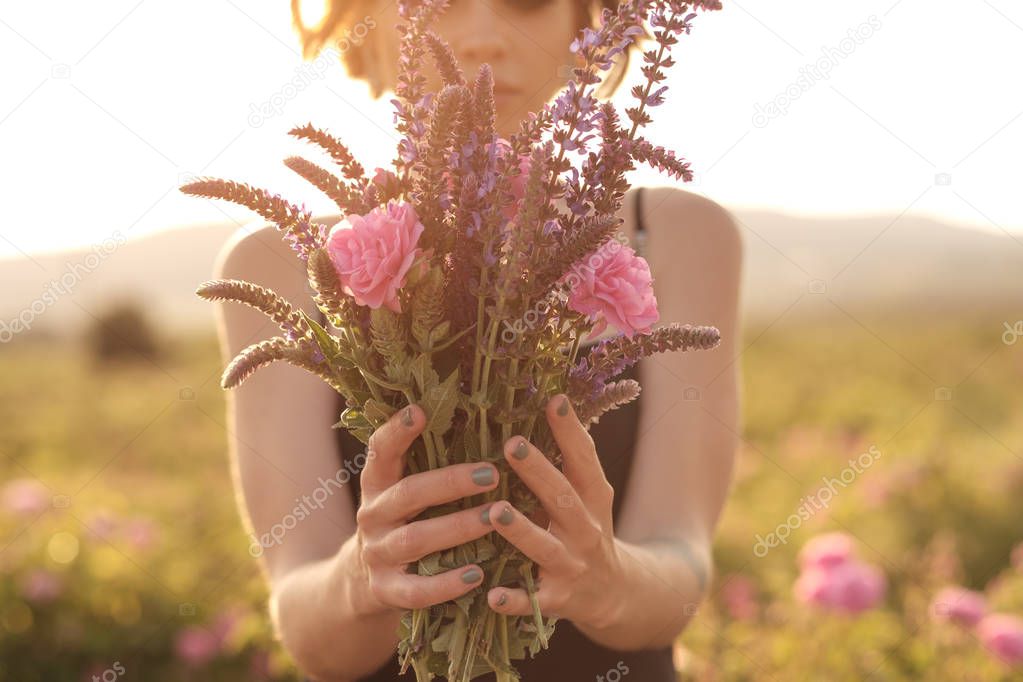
x,y
513,601
581,463
409,496
410,591
412,541
385,457
535,542
551,487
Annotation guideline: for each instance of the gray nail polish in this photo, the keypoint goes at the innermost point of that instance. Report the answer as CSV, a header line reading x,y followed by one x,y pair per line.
x,y
485,515
521,450
472,575
483,475
406,416
563,407
506,516
503,599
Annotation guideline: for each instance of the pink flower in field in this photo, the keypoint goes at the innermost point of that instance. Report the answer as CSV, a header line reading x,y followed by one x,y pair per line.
x,y
615,286
1002,635
852,586
102,525
25,497
739,595
141,533
41,586
196,646
1017,557
959,605
373,253
826,551
227,624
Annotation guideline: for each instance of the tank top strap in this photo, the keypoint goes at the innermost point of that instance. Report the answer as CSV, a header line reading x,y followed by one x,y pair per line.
x,y
641,232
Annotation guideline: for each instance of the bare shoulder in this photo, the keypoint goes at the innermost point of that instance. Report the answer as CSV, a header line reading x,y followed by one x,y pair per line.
x,y
258,252
676,216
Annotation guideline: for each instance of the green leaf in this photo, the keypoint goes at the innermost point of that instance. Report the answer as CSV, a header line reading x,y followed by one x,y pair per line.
x,y
354,418
485,550
440,402
465,601
443,639
471,447
377,412
430,564
426,377
439,332
328,344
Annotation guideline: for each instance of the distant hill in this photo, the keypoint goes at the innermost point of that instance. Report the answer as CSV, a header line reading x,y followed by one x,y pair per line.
x,y
798,266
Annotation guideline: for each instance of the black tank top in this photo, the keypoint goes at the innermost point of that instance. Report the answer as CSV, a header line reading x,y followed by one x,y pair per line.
x,y
572,656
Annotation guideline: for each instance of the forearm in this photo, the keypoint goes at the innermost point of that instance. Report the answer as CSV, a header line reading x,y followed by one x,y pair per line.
x,y
329,622
661,585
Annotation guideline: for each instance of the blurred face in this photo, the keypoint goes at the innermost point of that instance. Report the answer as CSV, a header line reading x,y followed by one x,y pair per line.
x,y
524,41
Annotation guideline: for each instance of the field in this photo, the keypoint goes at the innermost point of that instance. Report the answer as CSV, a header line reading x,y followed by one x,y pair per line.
x,y
121,552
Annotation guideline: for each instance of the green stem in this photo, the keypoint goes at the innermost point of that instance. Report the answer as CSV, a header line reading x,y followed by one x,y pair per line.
x,y
526,569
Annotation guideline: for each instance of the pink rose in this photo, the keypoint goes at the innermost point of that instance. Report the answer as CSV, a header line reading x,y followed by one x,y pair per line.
x,y
826,551
1002,635
373,253
614,285
852,587
959,605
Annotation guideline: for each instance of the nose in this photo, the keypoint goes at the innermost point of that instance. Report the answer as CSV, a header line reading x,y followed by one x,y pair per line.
x,y
481,36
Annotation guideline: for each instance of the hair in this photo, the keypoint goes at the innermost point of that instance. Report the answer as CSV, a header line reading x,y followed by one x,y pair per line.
x,y
343,15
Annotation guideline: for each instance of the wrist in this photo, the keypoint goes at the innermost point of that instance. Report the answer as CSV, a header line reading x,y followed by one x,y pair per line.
x,y
609,608
351,579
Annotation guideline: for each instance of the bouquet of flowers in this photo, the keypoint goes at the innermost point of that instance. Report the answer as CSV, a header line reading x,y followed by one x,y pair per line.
x,y
465,278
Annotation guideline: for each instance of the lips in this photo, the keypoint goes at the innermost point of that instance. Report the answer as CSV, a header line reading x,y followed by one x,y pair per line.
x,y
505,95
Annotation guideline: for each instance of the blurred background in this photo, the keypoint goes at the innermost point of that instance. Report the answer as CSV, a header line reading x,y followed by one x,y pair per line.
x,y
870,155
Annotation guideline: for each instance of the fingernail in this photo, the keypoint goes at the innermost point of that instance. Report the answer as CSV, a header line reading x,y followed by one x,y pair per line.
x,y
406,416
503,599
485,515
563,407
472,575
521,450
506,516
483,475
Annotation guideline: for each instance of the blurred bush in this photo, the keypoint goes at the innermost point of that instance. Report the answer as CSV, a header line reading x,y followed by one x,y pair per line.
x,y
123,333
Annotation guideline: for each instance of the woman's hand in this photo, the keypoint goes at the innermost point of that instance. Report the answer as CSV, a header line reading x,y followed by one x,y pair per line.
x,y
580,565
388,542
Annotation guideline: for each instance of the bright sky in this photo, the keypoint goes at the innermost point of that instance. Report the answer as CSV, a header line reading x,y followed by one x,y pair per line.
x,y
107,107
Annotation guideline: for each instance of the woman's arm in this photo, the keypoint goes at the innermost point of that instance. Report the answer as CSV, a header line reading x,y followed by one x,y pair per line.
x,y
688,425
285,463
